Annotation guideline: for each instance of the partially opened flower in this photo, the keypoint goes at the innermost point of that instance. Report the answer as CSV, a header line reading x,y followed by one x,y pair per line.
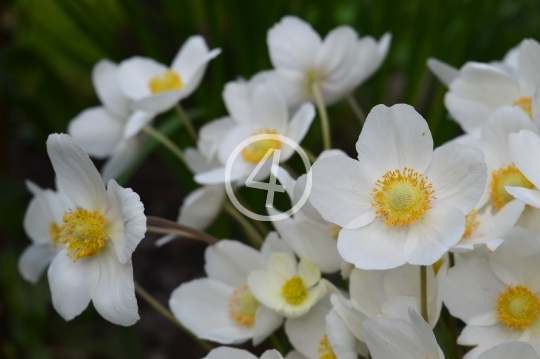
x,y
401,202
222,308
289,288
234,353
521,147
100,230
337,64
156,88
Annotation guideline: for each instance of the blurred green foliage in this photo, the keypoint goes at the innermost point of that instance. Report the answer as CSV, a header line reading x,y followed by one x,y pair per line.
x,y
49,48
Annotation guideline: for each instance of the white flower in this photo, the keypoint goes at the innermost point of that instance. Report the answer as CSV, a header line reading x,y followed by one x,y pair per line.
x,y
498,297
268,116
510,350
111,130
41,223
401,202
398,338
99,232
289,288
522,146
338,64
234,353
221,308
478,89
154,87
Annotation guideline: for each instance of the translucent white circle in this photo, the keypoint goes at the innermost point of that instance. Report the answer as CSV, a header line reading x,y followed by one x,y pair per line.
x,y
228,187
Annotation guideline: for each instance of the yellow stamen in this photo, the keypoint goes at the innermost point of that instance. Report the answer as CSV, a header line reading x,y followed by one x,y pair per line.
x,y
402,197
471,223
255,152
518,307
325,349
294,291
437,265
170,80
83,233
243,306
54,234
507,176
525,103
334,231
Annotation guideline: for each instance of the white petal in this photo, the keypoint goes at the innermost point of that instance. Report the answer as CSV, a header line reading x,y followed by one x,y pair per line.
x,y
266,322
520,146
529,64
123,156
34,260
265,290
351,317
458,175
136,122
231,261
236,98
292,44
281,267
159,102
487,336
269,108
393,138
444,72
77,174
134,75
375,246
229,353
107,86
270,354
510,350
72,283
367,290
38,217
341,192
202,206
300,122
470,115
528,196
430,237
96,131
341,339
210,136
126,222
114,296
273,244
309,272
305,332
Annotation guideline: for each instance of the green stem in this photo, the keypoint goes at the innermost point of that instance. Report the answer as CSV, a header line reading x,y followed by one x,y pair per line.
x,y
423,292
312,158
158,136
260,226
451,260
276,344
356,109
167,314
255,238
325,125
185,119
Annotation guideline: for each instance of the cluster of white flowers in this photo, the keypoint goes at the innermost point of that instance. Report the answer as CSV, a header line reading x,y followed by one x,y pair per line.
x,y
364,267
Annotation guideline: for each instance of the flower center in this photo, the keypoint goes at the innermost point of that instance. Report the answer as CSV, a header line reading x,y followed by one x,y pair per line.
x,y
508,176
471,223
83,233
294,291
243,306
255,151
170,80
402,197
518,307
325,349
54,234
525,103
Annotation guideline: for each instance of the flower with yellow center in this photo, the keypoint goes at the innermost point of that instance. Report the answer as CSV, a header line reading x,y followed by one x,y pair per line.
x,y
507,176
99,230
401,202
289,288
169,81
222,308
255,152
517,307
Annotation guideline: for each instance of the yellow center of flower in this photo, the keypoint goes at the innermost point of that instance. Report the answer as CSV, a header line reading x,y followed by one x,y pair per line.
x,y
294,291
471,223
525,103
170,80
508,176
334,231
54,234
518,307
325,349
83,233
243,306
255,151
401,197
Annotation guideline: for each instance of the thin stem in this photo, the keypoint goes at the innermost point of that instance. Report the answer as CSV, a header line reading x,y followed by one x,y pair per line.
x,y
167,314
161,230
260,226
200,235
356,109
327,141
276,344
255,237
187,122
158,136
423,292
451,260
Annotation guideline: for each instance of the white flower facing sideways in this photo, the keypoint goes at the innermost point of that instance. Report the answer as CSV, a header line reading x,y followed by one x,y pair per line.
x,y
156,88
100,230
524,148
289,288
221,308
112,130
234,353
337,65
402,202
